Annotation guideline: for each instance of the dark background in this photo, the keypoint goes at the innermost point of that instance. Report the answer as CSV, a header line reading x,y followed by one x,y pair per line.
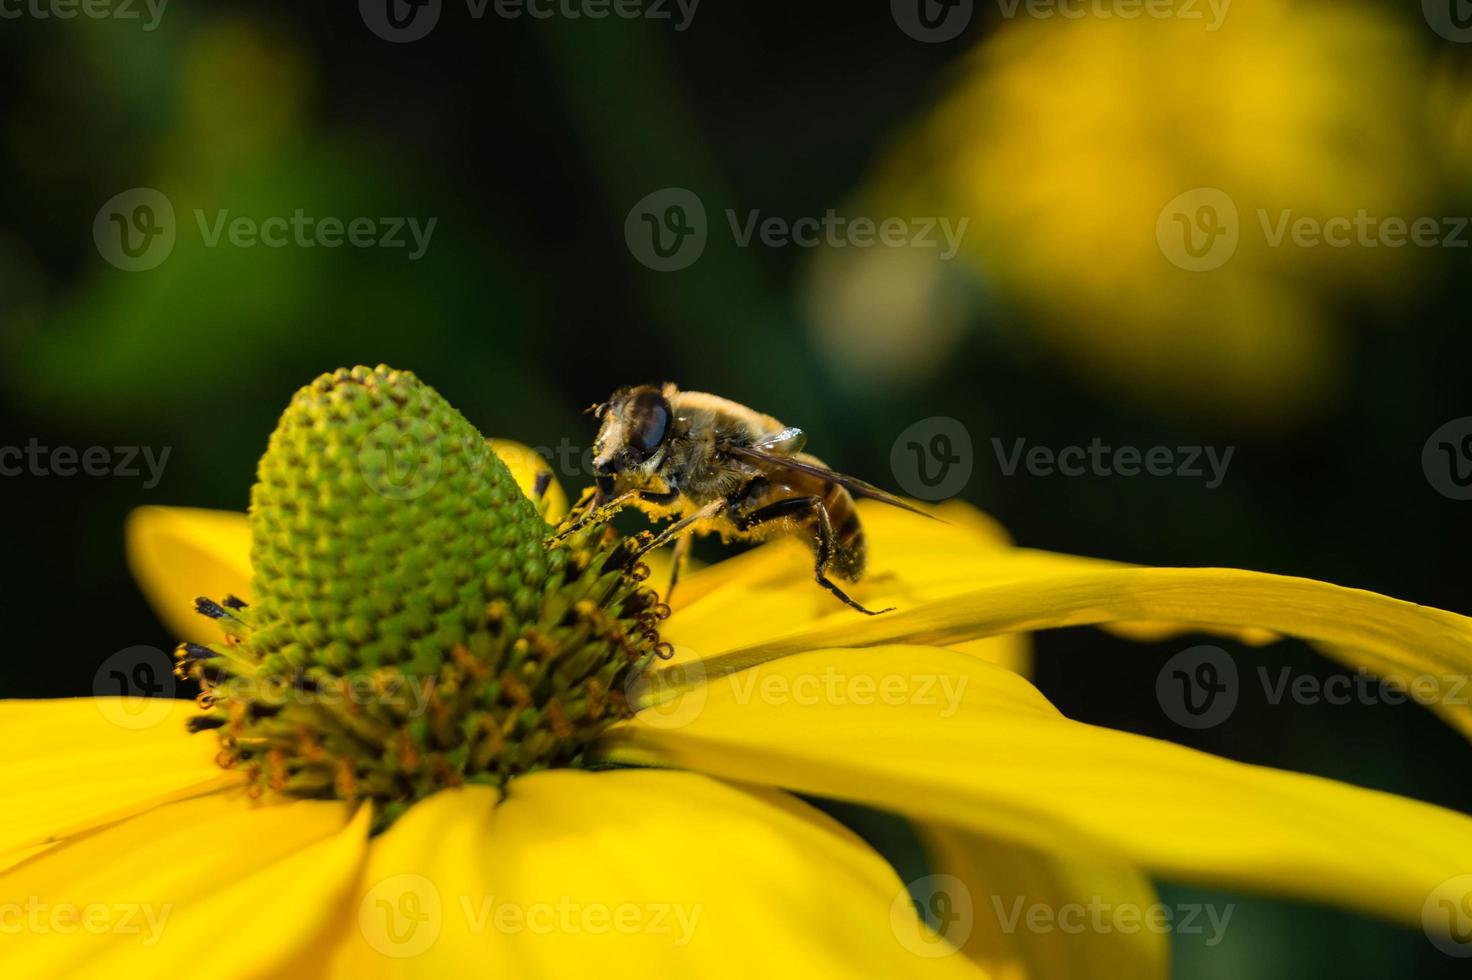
x,y
530,140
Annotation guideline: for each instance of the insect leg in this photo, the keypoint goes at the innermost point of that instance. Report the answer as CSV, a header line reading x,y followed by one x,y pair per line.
x,y
585,501
677,564
795,507
593,514
669,534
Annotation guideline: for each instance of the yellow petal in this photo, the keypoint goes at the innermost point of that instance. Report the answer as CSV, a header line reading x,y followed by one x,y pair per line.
x,y
768,593
1399,640
214,885
527,466
180,553
75,764
629,874
1094,921
943,737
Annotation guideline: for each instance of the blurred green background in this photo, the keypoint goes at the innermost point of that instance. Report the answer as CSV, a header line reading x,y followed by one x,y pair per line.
x,y
1065,315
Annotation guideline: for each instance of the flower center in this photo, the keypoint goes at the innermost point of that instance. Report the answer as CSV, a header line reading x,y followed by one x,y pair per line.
x,y
413,627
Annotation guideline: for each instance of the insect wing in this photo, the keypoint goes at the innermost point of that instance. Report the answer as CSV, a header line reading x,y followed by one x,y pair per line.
x,y
852,484
784,442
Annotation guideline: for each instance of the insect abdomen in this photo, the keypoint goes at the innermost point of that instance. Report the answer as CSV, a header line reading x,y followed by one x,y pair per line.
x,y
848,532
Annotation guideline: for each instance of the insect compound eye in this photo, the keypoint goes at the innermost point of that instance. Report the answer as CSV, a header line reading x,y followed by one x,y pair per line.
x,y
649,422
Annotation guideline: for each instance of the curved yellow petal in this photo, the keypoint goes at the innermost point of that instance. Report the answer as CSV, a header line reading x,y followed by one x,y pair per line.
x,y
769,591
527,466
75,764
180,553
216,885
631,873
768,594
1400,640
1020,913
943,737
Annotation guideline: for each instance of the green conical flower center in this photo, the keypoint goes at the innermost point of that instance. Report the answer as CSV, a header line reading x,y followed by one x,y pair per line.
x,y
413,625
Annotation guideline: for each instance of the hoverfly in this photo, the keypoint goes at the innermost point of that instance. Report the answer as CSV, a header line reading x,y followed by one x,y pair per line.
x,y
722,467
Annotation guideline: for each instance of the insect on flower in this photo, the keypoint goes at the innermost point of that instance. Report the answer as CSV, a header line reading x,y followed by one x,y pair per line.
x,y
723,468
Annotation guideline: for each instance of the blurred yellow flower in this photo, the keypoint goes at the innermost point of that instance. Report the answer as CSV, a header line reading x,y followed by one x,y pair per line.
x,y
1073,145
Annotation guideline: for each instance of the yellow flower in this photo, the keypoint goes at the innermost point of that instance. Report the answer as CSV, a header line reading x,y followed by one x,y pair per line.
x,y
1070,146
675,846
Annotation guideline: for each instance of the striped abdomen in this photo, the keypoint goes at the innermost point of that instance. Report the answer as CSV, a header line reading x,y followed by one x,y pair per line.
x,y
848,533
847,559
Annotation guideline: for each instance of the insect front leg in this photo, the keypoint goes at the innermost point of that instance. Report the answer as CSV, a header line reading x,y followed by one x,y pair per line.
x,y
592,512
797,507
600,513
684,524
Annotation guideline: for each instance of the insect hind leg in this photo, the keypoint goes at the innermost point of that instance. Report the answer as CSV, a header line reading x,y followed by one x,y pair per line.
x,y
797,507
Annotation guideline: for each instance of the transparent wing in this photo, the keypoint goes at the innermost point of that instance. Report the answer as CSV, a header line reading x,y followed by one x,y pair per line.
x,y
852,484
784,443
